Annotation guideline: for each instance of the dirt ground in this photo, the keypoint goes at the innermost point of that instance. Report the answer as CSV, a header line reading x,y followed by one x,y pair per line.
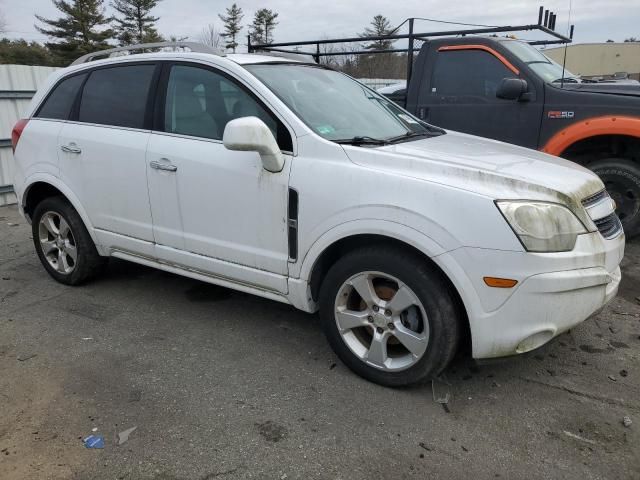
x,y
225,385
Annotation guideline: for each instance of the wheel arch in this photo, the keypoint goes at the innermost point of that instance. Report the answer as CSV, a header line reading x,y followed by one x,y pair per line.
x,y
576,139
345,244
590,149
43,186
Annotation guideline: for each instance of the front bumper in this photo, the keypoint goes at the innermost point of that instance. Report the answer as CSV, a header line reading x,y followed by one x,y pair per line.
x,y
554,293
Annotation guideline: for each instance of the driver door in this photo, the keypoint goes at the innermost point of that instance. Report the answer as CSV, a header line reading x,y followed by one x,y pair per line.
x,y
461,96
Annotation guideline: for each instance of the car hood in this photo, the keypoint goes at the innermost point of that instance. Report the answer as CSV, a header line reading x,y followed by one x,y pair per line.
x,y
495,169
613,88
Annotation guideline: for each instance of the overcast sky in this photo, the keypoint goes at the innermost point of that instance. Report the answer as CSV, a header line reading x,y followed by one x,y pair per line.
x,y
595,20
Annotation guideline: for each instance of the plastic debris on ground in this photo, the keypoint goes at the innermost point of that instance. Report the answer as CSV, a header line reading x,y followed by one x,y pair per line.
x,y
124,435
442,387
94,441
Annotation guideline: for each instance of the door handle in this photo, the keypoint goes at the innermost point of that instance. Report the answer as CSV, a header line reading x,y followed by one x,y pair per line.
x,y
167,167
71,148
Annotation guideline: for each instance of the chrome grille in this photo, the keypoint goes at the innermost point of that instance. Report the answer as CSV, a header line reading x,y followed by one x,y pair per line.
x,y
595,198
609,226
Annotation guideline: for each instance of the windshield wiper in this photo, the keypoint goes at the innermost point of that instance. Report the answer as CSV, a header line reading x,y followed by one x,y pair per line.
x,y
409,135
566,80
362,140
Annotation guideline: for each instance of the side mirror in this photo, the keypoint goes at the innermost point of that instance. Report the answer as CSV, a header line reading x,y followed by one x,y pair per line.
x,y
250,134
512,88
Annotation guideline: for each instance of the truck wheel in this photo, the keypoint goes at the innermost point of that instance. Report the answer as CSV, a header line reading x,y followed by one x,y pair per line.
x,y
621,177
63,243
389,316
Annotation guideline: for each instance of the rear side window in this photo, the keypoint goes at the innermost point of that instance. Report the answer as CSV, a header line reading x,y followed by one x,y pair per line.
x,y
470,73
60,101
117,96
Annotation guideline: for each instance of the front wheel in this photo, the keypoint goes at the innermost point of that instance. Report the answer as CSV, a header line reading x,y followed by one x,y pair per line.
x,y
389,316
621,177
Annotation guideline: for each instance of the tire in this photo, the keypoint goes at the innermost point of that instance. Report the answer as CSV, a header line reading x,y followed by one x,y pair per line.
x,y
63,243
431,325
621,177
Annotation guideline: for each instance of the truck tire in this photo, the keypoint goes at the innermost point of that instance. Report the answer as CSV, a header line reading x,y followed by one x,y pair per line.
x,y
63,243
621,177
389,316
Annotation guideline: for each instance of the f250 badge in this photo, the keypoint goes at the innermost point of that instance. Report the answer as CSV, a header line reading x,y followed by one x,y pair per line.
x,y
558,114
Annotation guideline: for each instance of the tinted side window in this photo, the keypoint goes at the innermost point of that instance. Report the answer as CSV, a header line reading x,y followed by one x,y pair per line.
x,y
201,102
468,73
60,101
116,96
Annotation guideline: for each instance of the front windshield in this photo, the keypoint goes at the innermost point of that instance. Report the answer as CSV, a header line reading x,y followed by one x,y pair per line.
x,y
542,65
334,105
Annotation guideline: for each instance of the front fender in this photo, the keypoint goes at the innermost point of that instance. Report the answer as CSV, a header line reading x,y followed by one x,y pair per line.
x,y
300,273
385,228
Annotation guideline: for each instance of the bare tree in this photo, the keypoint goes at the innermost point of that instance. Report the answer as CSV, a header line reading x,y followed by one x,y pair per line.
x,y
211,36
3,22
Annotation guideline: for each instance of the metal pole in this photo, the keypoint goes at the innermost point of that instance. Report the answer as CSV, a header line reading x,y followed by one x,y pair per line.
x,y
249,47
410,52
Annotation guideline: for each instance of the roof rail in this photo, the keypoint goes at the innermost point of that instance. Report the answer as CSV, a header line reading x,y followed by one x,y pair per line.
x,y
193,46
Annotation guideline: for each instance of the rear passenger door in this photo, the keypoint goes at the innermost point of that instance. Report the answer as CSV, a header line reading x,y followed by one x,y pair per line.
x,y
46,124
102,153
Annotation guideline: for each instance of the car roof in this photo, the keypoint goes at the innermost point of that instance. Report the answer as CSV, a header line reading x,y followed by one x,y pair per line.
x,y
246,58
238,58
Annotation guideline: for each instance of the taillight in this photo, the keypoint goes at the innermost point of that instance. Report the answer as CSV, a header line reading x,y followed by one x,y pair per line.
x,y
16,132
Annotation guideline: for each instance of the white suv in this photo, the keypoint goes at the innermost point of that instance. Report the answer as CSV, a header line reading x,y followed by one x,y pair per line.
x,y
296,183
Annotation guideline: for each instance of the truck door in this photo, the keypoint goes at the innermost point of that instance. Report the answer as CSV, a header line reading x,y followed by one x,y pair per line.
x,y
459,89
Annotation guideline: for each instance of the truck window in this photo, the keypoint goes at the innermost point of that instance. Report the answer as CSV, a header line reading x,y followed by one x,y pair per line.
x,y
474,73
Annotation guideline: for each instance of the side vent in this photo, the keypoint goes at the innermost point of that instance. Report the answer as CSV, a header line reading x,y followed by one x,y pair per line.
x,y
292,224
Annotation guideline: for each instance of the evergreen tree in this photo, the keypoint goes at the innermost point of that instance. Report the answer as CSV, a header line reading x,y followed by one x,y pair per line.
x,y
232,26
78,29
135,24
21,52
264,22
379,26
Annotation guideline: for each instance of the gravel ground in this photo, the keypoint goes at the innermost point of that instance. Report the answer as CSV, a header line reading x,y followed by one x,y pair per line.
x,y
225,385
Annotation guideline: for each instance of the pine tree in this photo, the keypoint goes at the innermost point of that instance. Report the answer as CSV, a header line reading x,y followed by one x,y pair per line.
x,y
78,30
232,26
380,25
264,22
135,23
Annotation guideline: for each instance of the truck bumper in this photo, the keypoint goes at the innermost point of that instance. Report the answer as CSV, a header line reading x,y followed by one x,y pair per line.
x,y
555,292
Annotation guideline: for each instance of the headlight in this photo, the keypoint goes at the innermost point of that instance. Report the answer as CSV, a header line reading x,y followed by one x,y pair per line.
x,y
542,226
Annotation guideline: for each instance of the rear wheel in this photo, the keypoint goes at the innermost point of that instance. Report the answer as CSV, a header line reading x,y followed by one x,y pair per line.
x,y
63,243
389,316
621,177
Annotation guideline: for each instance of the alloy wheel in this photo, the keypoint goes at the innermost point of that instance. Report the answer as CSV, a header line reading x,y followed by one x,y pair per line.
x,y
382,321
57,242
